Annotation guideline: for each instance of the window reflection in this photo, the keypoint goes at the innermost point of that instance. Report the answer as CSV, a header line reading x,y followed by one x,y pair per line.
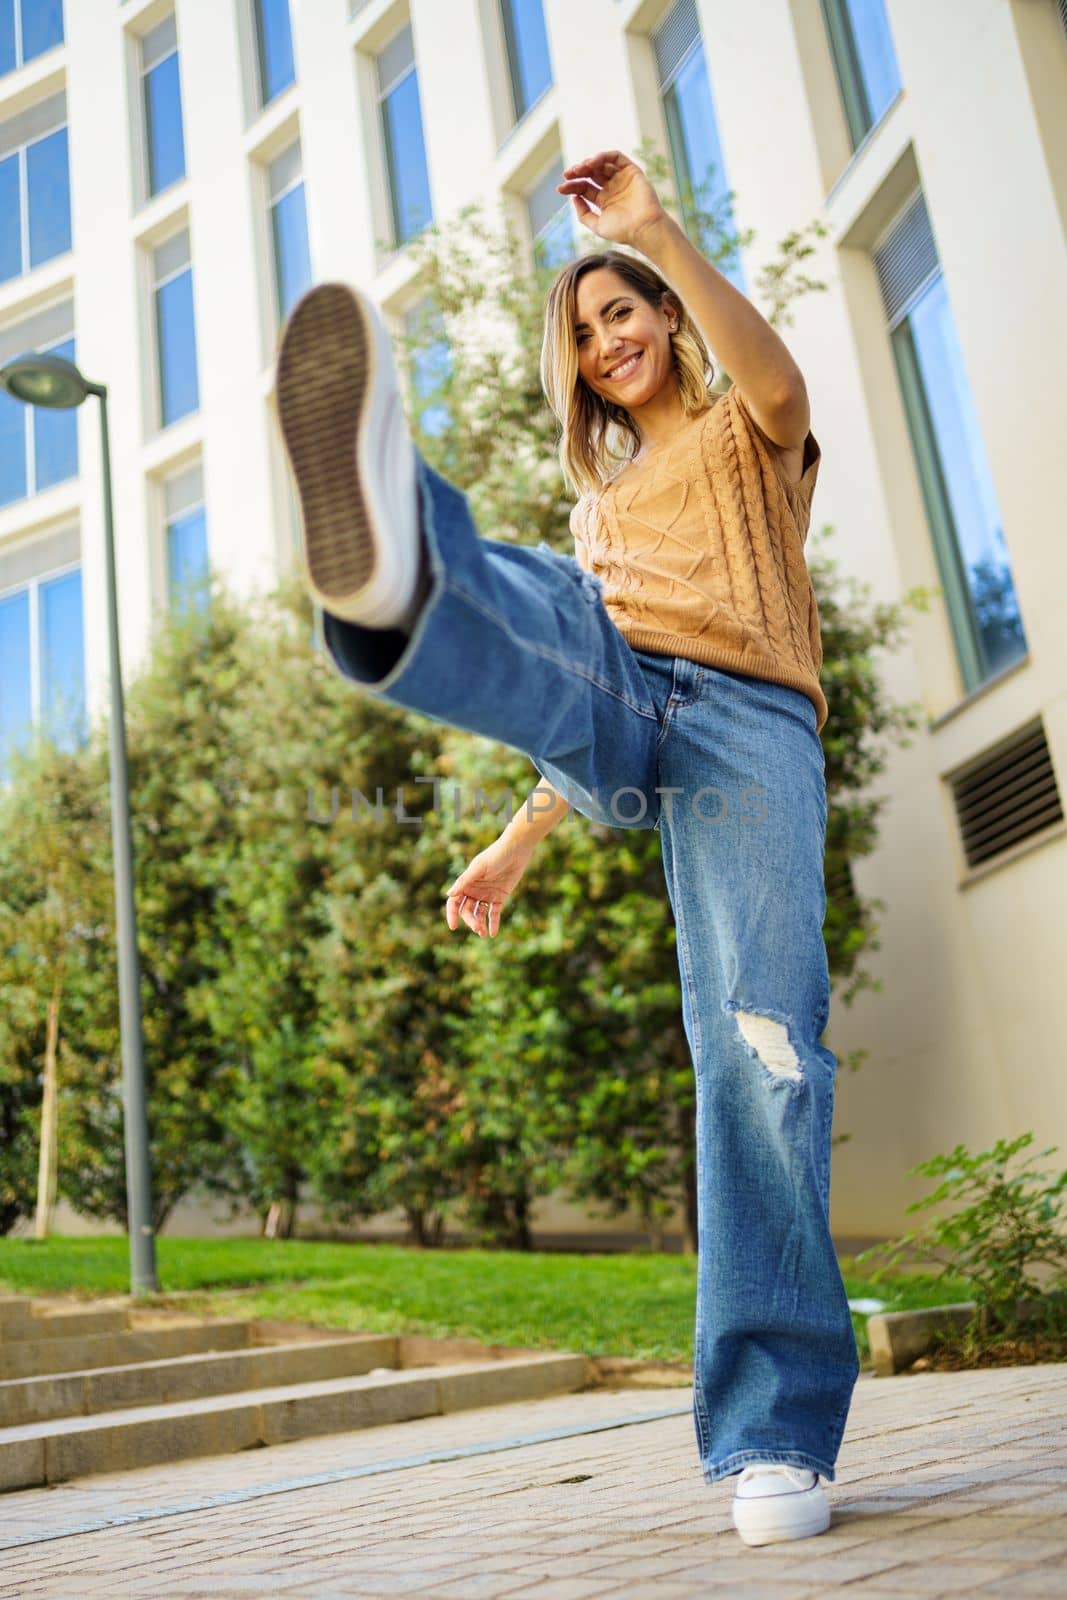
x,y
968,485
865,62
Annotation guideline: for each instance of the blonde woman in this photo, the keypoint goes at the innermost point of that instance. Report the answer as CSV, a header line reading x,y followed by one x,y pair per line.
x,y
668,678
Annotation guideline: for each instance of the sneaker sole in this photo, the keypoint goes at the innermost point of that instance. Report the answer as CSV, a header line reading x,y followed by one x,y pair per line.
x,y
325,380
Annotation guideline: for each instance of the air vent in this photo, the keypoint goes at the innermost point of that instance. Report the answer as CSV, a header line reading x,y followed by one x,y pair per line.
x,y
906,259
1063,15
1007,796
674,38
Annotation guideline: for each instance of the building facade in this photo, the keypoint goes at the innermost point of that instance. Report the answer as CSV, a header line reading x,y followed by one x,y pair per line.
x,y
173,175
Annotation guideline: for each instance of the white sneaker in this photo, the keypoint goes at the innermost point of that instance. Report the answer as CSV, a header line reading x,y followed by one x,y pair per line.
x,y
352,457
774,1502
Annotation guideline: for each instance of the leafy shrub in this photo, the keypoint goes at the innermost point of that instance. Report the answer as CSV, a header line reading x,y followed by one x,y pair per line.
x,y
996,1242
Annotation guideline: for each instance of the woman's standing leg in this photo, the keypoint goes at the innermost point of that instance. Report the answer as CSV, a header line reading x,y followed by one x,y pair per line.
x,y
775,1358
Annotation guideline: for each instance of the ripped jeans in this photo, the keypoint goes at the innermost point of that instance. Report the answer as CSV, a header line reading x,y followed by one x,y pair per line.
x,y
514,643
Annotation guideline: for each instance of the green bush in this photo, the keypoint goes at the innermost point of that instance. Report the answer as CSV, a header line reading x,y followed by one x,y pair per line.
x,y
998,1240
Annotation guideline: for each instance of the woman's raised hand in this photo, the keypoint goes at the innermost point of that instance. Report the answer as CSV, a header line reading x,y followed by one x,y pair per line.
x,y
479,893
626,202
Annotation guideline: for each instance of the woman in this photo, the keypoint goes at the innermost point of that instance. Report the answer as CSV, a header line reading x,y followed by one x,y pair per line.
x,y
669,678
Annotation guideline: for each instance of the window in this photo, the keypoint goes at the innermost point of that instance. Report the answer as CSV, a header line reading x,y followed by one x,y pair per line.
x,y
34,187
405,151
179,389
961,505
162,102
529,62
431,366
864,60
27,29
551,220
274,48
38,446
692,130
42,654
185,533
289,229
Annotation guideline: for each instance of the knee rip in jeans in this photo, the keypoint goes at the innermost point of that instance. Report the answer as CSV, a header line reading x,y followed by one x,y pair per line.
x,y
767,1036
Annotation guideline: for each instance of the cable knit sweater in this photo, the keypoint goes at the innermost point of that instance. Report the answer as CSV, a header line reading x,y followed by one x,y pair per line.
x,y
700,551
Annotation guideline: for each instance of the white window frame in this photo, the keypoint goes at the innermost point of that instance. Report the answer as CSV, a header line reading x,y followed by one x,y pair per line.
x,y
41,332
142,73
53,104
20,60
169,485
33,586
154,285
271,200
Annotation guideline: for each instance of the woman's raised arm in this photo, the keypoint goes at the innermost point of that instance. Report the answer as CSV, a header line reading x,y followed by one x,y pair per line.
x,y
628,211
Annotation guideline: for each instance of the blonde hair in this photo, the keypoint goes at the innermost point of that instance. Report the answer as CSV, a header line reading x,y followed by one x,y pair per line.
x,y
596,435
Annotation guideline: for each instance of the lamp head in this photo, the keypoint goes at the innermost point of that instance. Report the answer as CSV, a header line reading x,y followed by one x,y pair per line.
x,y
41,379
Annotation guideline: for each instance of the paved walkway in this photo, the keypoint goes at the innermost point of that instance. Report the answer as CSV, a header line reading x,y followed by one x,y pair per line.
x,y
949,1484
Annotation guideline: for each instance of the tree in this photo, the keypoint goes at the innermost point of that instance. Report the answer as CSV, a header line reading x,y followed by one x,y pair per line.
x,y
54,910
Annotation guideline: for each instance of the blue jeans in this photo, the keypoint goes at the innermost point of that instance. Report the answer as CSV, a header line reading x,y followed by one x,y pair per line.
x,y
514,643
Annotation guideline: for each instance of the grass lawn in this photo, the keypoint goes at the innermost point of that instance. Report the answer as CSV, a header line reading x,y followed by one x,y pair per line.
x,y
638,1305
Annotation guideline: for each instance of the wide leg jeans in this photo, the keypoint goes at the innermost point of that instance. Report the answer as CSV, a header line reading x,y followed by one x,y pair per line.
x,y
514,643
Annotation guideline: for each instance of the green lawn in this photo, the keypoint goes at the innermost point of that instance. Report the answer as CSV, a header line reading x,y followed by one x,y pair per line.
x,y
614,1304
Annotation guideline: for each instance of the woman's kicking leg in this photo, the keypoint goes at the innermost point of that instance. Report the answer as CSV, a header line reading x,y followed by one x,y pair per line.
x,y
507,641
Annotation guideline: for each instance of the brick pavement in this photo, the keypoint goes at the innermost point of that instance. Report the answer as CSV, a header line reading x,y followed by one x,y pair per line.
x,y
949,1484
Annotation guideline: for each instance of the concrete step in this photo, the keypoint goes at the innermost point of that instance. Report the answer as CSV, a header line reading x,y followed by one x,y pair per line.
x,y
14,1313
71,1447
25,1401
44,1322
31,1358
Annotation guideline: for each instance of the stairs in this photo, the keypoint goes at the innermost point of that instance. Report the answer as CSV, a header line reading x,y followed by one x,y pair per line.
x,y
120,1386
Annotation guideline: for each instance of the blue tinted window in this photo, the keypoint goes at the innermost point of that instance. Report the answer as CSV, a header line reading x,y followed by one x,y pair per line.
x,y
554,245
62,659
179,387
409,181
187,561
873,45
163,124
431,366
48,183
42,26
291,259
695,148
8,61
275,42
13,415
10,221
528,58
55,435
15,692
967,481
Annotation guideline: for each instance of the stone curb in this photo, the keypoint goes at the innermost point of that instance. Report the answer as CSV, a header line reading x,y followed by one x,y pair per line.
x,y
897,1338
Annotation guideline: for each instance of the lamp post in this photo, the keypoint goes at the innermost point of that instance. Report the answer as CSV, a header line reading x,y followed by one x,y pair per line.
x,y
51,380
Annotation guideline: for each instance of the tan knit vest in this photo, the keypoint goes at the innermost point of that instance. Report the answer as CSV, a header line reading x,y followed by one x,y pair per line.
x,y
700,551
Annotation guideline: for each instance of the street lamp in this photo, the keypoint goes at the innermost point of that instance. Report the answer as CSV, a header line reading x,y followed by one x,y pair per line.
x,y
51,380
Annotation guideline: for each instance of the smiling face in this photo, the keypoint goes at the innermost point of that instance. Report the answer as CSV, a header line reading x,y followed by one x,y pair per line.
x,y
623,342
